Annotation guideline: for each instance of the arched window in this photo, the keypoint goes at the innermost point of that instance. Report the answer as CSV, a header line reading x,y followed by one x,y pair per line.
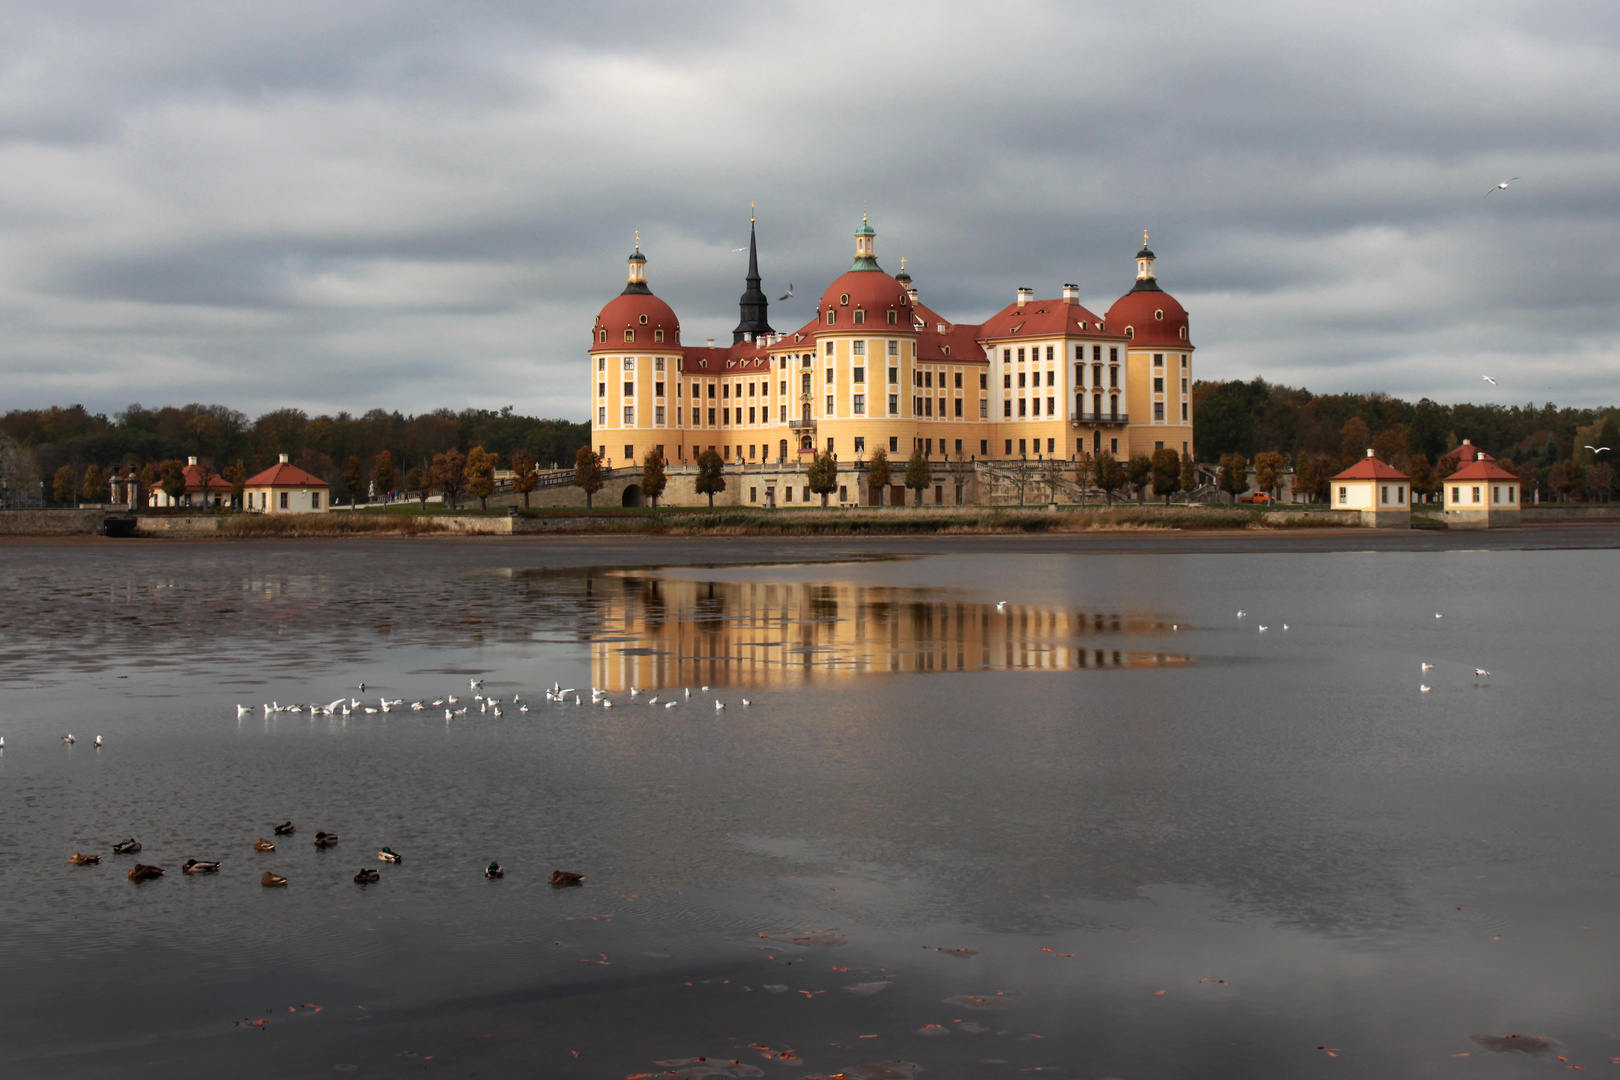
x,y
601,335
832,316
658,335
1159,315
860,317
629,335
1184,336
1130,331
894,317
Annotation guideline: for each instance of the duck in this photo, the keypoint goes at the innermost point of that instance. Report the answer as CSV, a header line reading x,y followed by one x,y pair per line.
x,y
493,870
143,872
325,839
131,846
197,866
83,860
367,877
261,844
271,881
286,828
389,855
561,879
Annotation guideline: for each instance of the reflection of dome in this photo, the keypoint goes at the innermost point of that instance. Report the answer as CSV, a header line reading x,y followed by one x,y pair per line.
x,y
1147,313
634,316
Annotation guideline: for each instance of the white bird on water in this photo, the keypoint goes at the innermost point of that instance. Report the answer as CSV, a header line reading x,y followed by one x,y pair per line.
x,y
1285,626
1427,666
241,711
1438,615
1241,613
69,739
1481,672
1001,605
1423,688
746,703
1500,187
97,743
670,704
718,704
1263,628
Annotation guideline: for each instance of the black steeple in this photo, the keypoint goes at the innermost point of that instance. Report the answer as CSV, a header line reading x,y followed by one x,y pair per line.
x,y
752,306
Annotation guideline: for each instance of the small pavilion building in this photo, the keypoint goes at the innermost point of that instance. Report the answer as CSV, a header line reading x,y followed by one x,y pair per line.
x,y
1481,495
287,489
204,488
1381,492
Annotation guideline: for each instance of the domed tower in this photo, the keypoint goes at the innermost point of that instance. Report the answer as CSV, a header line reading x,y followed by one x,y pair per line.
x,y
753,304
635,360
1158,362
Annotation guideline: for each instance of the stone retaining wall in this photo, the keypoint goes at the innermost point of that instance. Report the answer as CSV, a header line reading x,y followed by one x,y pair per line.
x,y
51,522
1531,514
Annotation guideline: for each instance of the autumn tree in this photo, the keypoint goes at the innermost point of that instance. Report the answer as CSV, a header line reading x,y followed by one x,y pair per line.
x,y
1268,469
1189,474
353,478
206,477
481,474
65,485
711,475
588,473
1139,472
172,479
1083,464
382,473
525,477
918,474
1166,473
1424,480
1234,476
1390,446
823,475
420,481
1566,478
877,474
653,477
236,476
151,478
94,488
450,475
1107,474
1354,438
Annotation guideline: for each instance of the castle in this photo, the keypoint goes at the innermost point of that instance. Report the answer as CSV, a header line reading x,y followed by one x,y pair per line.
x,y
877,368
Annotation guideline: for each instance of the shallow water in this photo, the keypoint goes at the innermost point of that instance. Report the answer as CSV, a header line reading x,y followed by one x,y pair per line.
x,y
1107,830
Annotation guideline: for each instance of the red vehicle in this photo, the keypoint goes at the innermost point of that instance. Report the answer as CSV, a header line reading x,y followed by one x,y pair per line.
x,y
1254,497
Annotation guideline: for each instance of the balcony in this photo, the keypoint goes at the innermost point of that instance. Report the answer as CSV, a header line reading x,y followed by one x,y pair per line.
x,y
808,425
1096,419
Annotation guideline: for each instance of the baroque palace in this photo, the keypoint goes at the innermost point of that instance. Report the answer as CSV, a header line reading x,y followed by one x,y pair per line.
x,y
877,368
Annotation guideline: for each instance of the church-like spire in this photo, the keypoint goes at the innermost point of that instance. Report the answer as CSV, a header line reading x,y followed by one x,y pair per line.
x,y
753,324
637,277
1145,279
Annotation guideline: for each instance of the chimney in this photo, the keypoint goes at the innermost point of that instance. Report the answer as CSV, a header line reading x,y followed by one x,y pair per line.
x,y
191,461
711,343
283,458
1369,451
1479,456
912,292
1071,294
1025,295
1468,442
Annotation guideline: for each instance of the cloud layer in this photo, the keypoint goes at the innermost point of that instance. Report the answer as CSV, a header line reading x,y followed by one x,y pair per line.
x,y
419,205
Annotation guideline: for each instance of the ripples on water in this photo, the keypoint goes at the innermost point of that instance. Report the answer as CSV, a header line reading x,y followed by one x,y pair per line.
x,y
1109,815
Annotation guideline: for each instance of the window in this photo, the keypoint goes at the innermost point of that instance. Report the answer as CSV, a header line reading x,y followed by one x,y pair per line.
x,y
857,348
1476,495
928,380
1513,493
725,415
829,353
958,407
1021,447
1006,409
1113,378
601,335
829,376
1130,333
601,389
601,361
829,404
1344,495
658,414
1079,352
751,387
1183,386
629,389
894,348
629,363
1183,355
1456,495
711,417
1051,376
727,450
284,500
1035,406
958,380
1006,356
1158,410
860,444
1113,354
1400,495
860,404
832,318
314,500
894,444
658,336
1006,380
1158,359
750,451
1049,352
695,417
1096,375
1020,356
711,391
1113,446
1022,406
1051,406
1009,448
658,364
1183,412
725,390
984,380
750,416
857,375
784,414
1158,386
984,447
860,317
894,375
784,388
658,389
629,335
601,416
1383,493
984,409
787,493
894,404
629,416
1020,380
893,317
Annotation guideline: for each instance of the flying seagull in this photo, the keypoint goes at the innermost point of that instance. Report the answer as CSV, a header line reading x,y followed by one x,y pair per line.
x,y
787,295
739,249
1596,449
1488,379
1503,185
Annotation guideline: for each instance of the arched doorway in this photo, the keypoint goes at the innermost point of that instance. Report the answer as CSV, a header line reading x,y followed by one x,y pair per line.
x,y
805,443
632,496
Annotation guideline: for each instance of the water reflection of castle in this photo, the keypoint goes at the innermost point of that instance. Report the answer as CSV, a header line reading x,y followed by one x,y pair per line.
x,y
663,632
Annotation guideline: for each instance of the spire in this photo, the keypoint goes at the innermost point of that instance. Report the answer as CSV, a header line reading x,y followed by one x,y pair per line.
x,y
864,257
753,323
1145,281
637,278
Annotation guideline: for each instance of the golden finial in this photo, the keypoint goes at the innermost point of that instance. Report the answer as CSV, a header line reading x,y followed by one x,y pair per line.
x,y
902,263
750,213
1144,238
638,239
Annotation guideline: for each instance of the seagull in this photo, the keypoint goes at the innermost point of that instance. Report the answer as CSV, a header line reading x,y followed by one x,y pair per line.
x,y
1263,629
69,739
1502,186
653,700
1481,672
739,249
1438,615
1427,666
361,688
475,683
606,704
705,689
688,691
1241,613
787,295
670,704
718,704
241,711
1285,626
1423,688
1001,605
1488,379
1596,449
746,703
97,743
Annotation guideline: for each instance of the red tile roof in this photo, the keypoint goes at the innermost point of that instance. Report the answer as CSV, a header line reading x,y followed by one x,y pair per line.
x,y
284,475
1371,468
1465,453
743,358
625,312
1138,309
1482,470
1043,318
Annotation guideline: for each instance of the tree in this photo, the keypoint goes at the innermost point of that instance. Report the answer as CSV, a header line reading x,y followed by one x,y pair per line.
x,y
65,485
1422,475
711,475
205,477
236,476
1139,471
95,484
1107,474
653,477
1390,446
1083,465
420,481
481,474
1599,482
1566,478
1189,474
354,477
1354,438
382,473
1234,476
525,477
1268,467
450,475
823,475
151,479
1166,473
877,473
588,473
918,475
172,479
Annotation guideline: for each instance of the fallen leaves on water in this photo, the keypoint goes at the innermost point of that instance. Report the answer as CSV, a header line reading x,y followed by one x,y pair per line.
x,y
881,1070
1511,1044
700,1068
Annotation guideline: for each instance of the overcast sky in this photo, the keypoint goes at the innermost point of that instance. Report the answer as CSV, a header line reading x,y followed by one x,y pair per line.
x,y
416,205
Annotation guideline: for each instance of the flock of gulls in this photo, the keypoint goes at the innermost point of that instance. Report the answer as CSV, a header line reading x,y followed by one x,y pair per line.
x,y
1424,688
559,694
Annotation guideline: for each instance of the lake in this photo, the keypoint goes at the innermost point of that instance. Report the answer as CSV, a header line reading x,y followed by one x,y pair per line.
x,y
971,809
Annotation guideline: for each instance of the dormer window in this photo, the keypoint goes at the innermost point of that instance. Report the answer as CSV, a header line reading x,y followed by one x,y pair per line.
x,y
629,335
860,317
1183,335
832,316
894,317
1130,331
601,336
658,336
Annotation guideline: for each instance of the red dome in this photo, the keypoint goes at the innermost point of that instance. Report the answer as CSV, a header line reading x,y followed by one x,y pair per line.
x,y
1154,317
870,290
639,311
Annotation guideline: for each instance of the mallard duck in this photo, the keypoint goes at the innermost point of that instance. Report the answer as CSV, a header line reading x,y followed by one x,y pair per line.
x,y
367,877
142,872
286,828
197,866
261,844
561,879
493,870
325,839
271,881
83,860
131,846
389,855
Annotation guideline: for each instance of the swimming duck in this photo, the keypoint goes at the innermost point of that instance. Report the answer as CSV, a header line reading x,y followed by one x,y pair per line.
x,y
389,855
286,828
561,879
493,870
197,866
271,881
131,846
83,860
367,877
325,839
261,844
142,872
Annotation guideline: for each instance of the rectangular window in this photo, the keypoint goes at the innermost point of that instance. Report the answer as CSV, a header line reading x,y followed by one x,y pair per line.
x,y
1456,494
857,375
751,387
1513,493
843,490
753,494
1183,412
1006,356
1021,380
894,375
658,363
1023,406
984,380
629,389
711,418
784,388
1006,380
696,416
750,413
1096,375
1158,359
894,348
984,409
1009,448
601,416
658,389
629,363
1051,406
1022,449
726,448
1158,386
284,500
1383,493
601,389
314,500
1006,409
860,317
1049,352
958,408
829,376
894,404
750,451
787,493
601,363
1051,376
1113,378
858,348
658,415
1344,495
958,380
629,416
784,414
1035,406
1183,386
1476,495
1020,356
725,416
829,404
1158,410
860,444
894,444
860,404
1400,493
1113,355
1079,352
